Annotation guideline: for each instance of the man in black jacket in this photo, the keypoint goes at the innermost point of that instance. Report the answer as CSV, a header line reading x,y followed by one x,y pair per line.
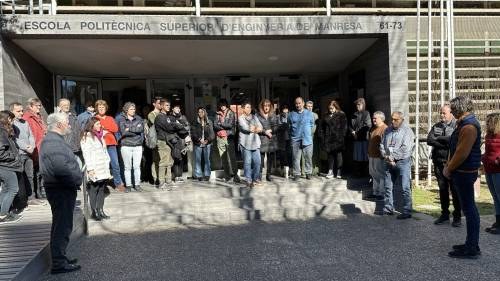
x,y
439,138
62,177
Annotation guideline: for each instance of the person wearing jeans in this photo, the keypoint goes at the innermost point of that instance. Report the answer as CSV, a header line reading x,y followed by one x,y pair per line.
x,y
301,123
491,162
110,127
250,128
202,134
132,131
9,165
396,148
462,168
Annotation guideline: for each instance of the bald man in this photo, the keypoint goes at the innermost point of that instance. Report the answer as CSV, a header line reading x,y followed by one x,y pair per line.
x,y
439,139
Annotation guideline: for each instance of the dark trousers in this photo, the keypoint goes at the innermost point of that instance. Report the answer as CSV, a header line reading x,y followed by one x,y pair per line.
x,y
178,167
227,154
444,193
62,203
335,161
96,194
464,184
269,163
25,180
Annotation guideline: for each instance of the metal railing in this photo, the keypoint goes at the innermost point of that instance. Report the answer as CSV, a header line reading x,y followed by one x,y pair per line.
x,y
242,7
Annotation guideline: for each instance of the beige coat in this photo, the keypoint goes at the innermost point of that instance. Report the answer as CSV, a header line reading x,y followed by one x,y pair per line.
x,y
96,158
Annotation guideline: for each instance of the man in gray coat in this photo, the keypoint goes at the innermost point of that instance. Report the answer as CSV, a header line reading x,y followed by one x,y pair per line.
x,y
62,177
25,141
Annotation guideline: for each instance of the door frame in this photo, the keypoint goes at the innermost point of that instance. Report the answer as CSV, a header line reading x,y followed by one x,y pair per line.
x,y
61,78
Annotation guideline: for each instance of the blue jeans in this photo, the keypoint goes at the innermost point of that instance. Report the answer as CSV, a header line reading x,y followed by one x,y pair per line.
x,y
399,175
493,181
115,165
297,151
251,164
202,152
9,190
464,184
132,156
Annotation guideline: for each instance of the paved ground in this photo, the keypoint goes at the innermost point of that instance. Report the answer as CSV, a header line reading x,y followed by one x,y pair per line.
x,y
361,247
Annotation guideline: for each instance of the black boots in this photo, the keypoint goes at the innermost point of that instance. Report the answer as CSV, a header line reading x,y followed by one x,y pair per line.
x,y
495,228
95,215
102,214
99,215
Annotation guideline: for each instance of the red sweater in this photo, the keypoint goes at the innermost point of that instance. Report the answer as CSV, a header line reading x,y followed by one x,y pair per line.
x,y
108,123
491,153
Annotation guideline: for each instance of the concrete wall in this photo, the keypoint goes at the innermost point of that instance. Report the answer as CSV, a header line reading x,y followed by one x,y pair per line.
x,y
23,77
375,62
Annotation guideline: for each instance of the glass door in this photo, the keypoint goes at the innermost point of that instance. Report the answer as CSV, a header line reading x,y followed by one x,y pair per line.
x,y
175,90
78,90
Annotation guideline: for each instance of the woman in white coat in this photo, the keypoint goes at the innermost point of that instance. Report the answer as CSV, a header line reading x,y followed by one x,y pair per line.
x,y
97,160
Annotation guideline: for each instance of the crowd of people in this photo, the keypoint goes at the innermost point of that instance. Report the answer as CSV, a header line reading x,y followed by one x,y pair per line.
x,y
49,160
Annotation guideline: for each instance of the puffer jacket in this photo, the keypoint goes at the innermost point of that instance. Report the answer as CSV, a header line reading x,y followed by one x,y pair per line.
x,y
96,157
9,156
132,131
491,153
270,123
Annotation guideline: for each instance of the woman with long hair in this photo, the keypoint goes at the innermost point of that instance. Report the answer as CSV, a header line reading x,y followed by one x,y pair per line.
x,y
268,136
491,163
97,161
110,128
9,164
202,134
360,126
332,132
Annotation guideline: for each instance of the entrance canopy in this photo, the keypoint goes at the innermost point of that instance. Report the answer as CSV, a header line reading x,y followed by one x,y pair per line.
x,y
150,57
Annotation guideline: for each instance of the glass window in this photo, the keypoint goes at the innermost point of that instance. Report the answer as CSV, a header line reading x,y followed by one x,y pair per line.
x,y
207,93
78,92
173,90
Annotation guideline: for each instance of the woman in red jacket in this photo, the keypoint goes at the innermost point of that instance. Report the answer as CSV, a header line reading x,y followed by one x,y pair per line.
x,y
491,162
110,127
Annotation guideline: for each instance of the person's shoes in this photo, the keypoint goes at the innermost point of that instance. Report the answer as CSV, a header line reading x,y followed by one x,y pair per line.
x,y
236,179
166,186
199,178
128,189
11,218
121,188
457,222
441,220
461,247
95,215
339,174
179,180
268,178
495,230
296,178
138,188
102,214
329,176
488,229
72,261
257,183
65,269
249,185
379,197
403,216
308,176
388,213
463,254
207,178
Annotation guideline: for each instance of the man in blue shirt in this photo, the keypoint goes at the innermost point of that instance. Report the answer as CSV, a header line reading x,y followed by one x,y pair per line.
x,y
396,148
301,123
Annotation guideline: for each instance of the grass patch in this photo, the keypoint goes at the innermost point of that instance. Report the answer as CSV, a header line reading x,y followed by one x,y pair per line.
x,y
426,201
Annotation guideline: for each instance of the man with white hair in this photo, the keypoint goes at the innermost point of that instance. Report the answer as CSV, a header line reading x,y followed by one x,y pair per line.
x,y
376,163
62,177
73,138
396,149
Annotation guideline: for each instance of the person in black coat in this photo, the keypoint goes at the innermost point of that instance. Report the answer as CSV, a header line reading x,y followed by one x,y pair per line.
x,y
10,164
332,131
360,127
268,136
202,134
62,177
284,145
